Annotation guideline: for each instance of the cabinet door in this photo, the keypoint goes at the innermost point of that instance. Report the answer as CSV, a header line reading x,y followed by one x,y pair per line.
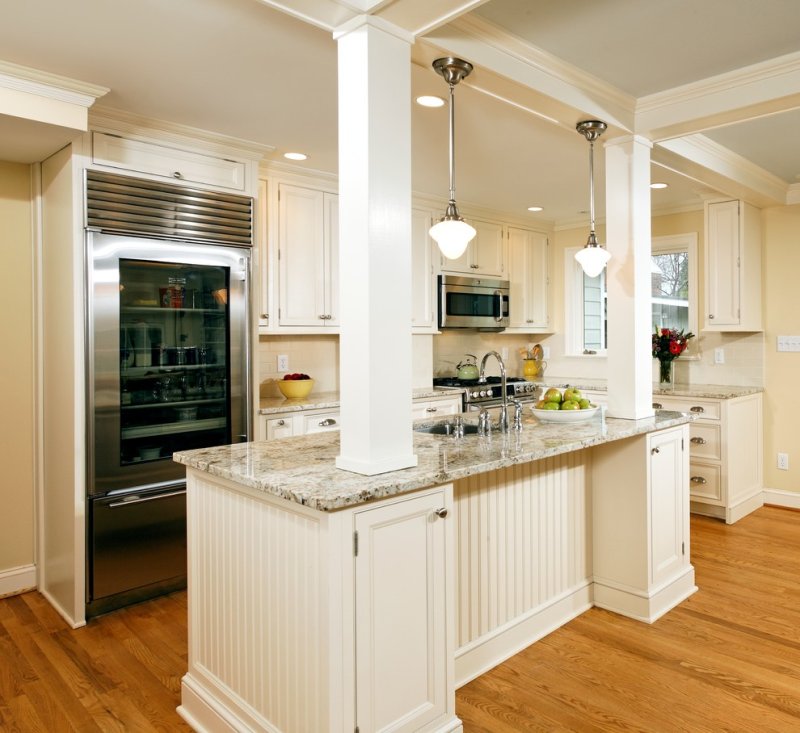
x,y
301,244
262,245
400,629
669,505
423,286
331,273
487,250
527,255
722,264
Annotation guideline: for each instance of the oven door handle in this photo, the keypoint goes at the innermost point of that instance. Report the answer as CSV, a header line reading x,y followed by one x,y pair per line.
x,y
142,499
499,295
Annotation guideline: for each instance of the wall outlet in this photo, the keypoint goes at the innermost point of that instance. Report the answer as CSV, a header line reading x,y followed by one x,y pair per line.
x,y
283,362
504,353
783,461
788,343
719,355
545,352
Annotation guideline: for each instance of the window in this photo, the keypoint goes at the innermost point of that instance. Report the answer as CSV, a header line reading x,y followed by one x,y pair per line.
x,y
674,291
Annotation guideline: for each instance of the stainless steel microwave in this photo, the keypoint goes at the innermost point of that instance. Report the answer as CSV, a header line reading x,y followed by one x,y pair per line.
x,y
473,302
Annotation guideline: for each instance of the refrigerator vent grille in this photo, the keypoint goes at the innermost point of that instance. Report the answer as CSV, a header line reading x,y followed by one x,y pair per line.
x,y
164,210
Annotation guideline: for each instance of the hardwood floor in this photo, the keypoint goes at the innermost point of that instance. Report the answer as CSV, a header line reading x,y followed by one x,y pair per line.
x,y
728,659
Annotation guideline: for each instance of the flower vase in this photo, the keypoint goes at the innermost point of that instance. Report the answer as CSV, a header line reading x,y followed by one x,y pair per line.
x,y
666,372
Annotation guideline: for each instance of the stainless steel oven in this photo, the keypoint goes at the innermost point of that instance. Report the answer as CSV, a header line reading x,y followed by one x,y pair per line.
x,y
477,394
475,303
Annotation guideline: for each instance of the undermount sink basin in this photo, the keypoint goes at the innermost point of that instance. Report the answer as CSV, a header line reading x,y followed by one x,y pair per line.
x,y
445,428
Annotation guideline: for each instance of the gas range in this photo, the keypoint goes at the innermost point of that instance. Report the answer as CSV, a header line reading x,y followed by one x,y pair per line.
x,y
489,393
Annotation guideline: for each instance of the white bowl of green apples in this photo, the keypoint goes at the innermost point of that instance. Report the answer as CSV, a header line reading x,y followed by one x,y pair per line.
x,y
567,406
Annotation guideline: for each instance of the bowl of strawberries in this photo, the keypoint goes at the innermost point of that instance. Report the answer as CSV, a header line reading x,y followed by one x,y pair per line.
x,y
295,386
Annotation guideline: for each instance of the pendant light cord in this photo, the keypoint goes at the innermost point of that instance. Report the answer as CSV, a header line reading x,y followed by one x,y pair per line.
x,y
452,146
591,188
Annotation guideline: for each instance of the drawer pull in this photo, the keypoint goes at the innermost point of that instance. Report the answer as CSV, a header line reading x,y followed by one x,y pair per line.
x,y
698,480
431,409
177,174
654,451
441,513
281,422
698,440
656,405
696,408
327,422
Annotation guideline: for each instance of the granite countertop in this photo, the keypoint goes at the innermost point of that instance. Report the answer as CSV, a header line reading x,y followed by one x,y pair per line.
x,y
698,391
303,469
320,400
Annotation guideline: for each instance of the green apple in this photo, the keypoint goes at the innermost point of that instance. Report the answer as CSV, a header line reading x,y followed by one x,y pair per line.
x,y
570,405
572,393
552,395
551,406
541,405
584,403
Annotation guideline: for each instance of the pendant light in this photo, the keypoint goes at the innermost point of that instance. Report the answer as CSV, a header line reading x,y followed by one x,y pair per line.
x,y
592,258
451,232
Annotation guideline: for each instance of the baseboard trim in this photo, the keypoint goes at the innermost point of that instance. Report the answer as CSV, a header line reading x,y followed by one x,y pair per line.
x,y
779,497
17,580
481,655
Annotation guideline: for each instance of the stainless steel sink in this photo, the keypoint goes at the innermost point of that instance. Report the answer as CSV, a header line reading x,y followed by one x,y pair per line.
x,y
446,428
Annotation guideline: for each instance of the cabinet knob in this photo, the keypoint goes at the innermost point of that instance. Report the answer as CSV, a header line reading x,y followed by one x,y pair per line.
x,y
321,317
474,267
710,315
698,480
656,405
654,451
696,408
697,441
281,422
265,316
441,513
430,409
177,174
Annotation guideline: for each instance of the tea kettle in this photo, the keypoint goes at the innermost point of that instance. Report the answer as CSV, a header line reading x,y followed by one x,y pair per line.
x,y
467,369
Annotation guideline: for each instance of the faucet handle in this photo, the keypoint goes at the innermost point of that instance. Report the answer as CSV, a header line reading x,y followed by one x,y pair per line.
x,y
517,415
484,423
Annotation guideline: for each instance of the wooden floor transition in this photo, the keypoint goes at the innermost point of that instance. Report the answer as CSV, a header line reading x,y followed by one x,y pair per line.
x,y
728,659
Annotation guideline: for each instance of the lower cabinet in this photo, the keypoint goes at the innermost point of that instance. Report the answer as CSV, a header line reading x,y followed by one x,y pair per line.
x,y
435,407
640,522
725,453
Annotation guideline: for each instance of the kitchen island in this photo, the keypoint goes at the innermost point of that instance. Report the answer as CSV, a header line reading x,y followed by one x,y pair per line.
x,y
321,600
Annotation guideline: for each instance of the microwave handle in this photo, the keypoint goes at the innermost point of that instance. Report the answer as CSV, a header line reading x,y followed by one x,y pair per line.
x,y
499,295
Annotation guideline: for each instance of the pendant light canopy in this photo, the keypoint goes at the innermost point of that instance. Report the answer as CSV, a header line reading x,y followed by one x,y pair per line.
x,y
451,232
592,258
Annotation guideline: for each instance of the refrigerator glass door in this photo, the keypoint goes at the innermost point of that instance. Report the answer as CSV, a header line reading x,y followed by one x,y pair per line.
x,y
169,357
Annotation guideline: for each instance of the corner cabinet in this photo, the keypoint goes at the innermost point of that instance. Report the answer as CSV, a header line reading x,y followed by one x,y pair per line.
x,y
640,516
485,255
308,258
528,263
348,613
733,267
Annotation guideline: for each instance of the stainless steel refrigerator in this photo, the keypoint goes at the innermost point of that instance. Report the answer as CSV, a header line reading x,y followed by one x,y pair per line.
x,y
168,357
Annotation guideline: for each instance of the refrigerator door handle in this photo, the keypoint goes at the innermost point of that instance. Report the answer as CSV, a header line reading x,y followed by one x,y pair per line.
x,y
134,499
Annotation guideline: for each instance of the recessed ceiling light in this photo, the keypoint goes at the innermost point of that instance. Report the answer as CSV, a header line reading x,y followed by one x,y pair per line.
x,y
295,156
659,185
535,208
428,100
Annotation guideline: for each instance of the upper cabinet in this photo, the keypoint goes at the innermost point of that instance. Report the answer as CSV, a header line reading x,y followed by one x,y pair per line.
x,y
528,274
308,258
485,255
733,267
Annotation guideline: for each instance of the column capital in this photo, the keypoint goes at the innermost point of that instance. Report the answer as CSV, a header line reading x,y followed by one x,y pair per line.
x,y
372,21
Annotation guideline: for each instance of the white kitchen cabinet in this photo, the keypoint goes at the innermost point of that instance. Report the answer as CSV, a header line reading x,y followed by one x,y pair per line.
x,y
299,422
320,422
485,255
733,267
640,522
528,275
162,161
726,453
402,642
423,280
262,251
278,427
436,407
308,258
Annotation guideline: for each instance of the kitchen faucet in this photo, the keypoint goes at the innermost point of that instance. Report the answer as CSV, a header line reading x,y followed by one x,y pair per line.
x,y
503,425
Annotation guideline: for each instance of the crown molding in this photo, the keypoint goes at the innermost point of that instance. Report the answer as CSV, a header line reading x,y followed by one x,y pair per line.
x,y
52,86
116,120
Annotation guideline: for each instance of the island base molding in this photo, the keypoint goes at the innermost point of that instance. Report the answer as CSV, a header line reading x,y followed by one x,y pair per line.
x,y
732,513
647,607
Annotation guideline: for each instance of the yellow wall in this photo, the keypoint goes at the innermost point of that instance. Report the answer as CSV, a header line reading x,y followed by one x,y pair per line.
x,y
781,393
16,370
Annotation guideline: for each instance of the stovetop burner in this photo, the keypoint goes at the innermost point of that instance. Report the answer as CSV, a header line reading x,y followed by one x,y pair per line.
x,y
456,382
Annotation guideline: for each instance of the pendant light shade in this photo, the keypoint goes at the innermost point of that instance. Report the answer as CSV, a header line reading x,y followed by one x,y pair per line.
x,y
592,258
451,232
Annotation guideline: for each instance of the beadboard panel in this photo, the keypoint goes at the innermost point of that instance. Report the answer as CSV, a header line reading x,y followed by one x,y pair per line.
x,y
261,631
523,542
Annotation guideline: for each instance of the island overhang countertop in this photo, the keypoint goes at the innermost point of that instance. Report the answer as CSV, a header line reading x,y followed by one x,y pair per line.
x,y
303,469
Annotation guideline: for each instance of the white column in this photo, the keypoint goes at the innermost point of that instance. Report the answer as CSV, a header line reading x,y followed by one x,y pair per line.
x,y
375,246
628,239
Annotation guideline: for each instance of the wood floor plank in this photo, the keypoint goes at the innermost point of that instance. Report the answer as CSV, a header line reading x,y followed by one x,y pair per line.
x,y
727,660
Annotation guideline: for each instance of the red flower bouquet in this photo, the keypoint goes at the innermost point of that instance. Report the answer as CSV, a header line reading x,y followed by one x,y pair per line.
x,y
668,344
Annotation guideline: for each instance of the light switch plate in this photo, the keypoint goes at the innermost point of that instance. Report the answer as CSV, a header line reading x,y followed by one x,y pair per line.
x,y
719,355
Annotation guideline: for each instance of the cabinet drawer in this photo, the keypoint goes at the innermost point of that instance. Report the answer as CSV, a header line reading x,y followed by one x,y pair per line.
x,y
704,440
707,409
279,427
704,482
320,423
166,162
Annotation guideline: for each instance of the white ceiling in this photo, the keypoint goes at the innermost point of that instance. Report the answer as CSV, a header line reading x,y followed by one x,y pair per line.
x,y
244,69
